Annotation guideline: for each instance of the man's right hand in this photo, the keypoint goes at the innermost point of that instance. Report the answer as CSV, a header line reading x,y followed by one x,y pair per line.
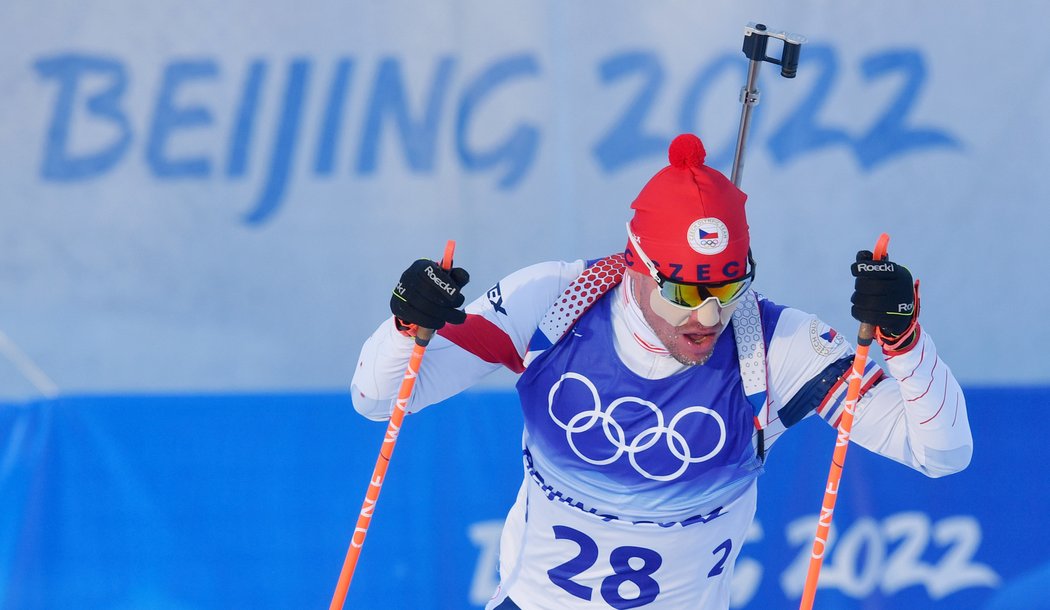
x,y
428,296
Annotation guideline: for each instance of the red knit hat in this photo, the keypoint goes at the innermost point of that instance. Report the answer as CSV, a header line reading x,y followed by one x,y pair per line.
x,y
689,220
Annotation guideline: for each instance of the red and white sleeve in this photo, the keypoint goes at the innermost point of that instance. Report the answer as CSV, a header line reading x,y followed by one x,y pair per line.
x,y
495,335
917,416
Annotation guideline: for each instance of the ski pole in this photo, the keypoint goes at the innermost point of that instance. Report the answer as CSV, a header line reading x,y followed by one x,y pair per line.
x,y
756,37
838,458
386,451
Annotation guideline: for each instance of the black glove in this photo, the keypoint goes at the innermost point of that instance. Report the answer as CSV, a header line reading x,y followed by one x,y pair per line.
x,y
429,296
883,294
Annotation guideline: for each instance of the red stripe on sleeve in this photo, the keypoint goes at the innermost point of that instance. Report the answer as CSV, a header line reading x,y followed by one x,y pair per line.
x,y
932,377
943,398
922,356
485,340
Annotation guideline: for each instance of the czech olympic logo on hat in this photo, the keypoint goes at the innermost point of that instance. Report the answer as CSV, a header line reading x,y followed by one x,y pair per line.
x,y
708,236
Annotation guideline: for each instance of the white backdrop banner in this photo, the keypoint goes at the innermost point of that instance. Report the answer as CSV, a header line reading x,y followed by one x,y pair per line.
x,y
218,196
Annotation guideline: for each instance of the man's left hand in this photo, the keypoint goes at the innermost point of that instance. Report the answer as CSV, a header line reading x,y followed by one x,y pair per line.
x,y
884,295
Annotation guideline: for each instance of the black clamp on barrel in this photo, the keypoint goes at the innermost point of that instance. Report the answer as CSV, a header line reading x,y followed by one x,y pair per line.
x,y
756,39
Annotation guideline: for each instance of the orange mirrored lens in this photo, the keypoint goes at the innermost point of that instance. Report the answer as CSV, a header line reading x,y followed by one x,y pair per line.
x,y
687,295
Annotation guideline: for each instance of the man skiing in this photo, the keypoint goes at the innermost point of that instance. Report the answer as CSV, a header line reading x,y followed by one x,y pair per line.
x,y
653,383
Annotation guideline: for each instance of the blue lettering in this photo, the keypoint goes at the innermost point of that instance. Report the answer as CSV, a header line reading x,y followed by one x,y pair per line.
x,y
703,272
702,519
495,296
89,131
58,163
518,150
167,118
284,144
731,269
802,132
628,257
332,123
418,137
628,141
688,114
244,126
676,272
891,135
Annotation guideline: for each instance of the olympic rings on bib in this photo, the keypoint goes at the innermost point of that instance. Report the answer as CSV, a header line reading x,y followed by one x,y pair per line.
x,y
677,444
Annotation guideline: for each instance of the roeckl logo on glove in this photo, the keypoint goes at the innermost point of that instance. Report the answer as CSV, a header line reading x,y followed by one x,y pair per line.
x,y
400,290
447,287
869,267
905,307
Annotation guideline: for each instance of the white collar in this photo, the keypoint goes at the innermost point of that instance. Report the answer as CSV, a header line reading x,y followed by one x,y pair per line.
x,y
636,344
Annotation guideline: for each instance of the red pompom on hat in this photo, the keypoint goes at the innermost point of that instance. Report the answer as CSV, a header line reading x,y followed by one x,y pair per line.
x,y
689,220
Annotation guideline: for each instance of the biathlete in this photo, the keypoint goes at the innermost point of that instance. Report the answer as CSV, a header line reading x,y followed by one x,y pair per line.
x,y
653,383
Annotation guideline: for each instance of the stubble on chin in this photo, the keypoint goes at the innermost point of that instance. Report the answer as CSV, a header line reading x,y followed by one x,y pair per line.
x,y
692,361
668,337
688,361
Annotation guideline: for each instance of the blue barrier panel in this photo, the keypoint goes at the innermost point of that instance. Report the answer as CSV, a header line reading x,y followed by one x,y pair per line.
x,y
904,540
249,501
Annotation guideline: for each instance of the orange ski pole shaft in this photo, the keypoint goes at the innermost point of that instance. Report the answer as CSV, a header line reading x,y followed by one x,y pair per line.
x,y
386,451
838,460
